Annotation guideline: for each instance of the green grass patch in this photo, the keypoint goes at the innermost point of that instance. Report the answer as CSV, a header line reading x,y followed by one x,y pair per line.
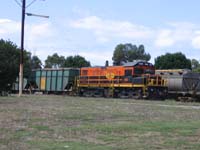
x,y
22,133
59,122
68,145
41,128
180,128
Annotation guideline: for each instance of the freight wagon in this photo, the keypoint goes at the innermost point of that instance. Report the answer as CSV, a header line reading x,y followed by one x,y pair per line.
x,y
53,80
181,82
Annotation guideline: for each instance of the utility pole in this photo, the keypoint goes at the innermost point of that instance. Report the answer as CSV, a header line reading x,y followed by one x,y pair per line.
x,y
21,67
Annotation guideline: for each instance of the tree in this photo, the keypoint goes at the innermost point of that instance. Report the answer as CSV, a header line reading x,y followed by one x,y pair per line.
x,y
9,64
76,61
36,63
27,64
127,52
195,65
172,61
54,61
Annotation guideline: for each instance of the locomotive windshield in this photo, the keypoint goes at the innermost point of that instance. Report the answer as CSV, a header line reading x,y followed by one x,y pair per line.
x,y
149,71
144,71
138,71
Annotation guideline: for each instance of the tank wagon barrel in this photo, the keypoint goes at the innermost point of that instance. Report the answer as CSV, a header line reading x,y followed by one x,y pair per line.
x,y
181,82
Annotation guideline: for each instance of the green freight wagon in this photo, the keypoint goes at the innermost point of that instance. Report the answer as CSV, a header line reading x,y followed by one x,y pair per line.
x,y
54,80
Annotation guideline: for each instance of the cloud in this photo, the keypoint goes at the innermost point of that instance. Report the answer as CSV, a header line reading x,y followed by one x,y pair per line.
x,y
80,11
99,57
37,34
8,27
164,38
106,30
174,33
42,29
196,40
95,37
177,33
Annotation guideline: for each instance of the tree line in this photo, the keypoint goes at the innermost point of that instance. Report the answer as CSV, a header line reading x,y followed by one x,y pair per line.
x,y
123,53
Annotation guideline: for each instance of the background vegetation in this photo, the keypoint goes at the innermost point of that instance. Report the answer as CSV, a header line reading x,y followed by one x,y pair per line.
x,y
10,54
173,61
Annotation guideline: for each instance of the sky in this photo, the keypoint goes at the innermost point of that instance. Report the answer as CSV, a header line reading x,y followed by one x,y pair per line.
x,y
93,28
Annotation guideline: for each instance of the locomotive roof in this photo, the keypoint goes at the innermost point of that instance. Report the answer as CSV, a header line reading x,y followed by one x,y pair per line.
x,y
138,62
128,64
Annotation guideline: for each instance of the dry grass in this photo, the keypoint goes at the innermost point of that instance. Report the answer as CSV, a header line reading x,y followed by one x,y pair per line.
x,y
74,123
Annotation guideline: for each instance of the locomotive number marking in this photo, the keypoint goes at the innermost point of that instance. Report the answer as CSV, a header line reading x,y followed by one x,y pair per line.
x,y
110,76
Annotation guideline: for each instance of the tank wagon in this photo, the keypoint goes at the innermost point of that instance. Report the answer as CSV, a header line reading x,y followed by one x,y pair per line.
x,y
53,80
181,82
132,80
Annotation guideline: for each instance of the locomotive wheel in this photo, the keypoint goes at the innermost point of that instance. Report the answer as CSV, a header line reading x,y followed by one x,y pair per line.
x,y
87,94
106,93
98,93
138,95
123,94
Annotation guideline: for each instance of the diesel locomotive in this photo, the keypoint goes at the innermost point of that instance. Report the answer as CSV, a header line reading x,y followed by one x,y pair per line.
x,y
132,80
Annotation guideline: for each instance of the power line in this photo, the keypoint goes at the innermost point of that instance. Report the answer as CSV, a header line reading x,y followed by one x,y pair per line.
x,y
18,3
31,3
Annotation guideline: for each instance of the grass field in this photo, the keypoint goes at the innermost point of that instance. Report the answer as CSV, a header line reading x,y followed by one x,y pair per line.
x,y
74,123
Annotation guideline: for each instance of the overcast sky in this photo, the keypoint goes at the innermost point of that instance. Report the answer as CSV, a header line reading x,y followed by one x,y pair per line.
x,y
92,28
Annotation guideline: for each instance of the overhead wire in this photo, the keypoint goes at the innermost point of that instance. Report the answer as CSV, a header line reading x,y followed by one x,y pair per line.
x,y
31,3
18,3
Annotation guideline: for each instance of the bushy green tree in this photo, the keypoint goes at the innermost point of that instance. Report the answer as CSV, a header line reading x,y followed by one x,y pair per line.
x,y
9,64
54,61
128,52
172,61
36,63
195,65
76,61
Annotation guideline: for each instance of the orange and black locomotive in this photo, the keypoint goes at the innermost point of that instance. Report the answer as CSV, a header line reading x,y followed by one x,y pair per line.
x,y
132,80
